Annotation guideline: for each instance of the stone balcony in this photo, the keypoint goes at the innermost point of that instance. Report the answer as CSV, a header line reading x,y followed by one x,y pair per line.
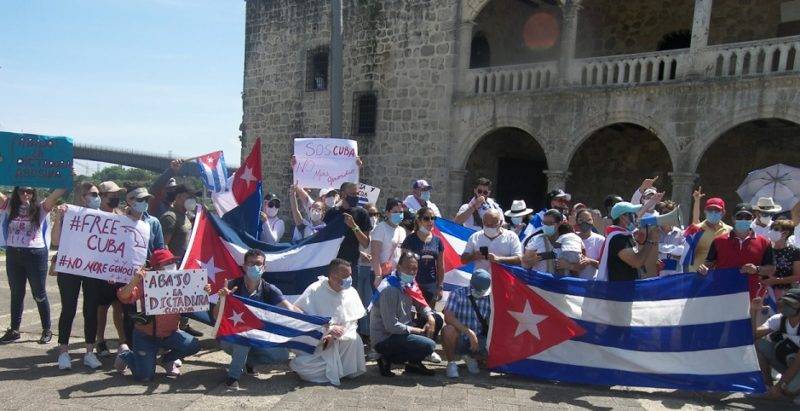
x,y
776,56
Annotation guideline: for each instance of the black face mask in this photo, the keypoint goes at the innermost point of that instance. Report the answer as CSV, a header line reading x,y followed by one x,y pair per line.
x,y
170,197
352,201
113,202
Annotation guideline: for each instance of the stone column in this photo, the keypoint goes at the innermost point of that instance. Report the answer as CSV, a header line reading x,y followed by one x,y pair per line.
x,y
556,179
700,28
682,187
455,192
569,35
464,51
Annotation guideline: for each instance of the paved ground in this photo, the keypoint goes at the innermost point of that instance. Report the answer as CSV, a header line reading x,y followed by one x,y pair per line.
x,y
30,379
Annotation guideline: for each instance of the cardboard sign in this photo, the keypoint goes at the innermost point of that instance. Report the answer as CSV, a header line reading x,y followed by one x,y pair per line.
x,y
101,245
175,292
36,161
368,194
325,162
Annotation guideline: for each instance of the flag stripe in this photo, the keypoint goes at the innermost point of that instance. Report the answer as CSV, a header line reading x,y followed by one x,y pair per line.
x,y
607,377
266,312
241,340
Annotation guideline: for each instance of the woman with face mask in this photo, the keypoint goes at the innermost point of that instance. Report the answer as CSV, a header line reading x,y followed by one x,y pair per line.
x,y
70,285
430,269
787,258
305,227
25,225
385,241
272,227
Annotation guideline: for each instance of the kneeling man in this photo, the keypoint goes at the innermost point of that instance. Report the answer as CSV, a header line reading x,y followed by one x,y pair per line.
x,y
467,317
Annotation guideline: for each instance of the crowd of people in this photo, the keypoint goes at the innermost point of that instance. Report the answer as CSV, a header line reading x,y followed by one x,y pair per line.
x,y
384,289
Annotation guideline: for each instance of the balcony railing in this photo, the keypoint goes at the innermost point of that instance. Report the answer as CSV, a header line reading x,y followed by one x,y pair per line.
x,y
754,58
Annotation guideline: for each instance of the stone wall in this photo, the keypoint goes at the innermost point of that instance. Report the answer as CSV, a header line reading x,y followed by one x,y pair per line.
x,y
744,20
503,21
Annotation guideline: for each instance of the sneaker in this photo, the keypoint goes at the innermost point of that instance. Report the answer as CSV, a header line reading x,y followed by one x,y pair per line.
x,y
119,363
64,362
385,367
232,383
171,368
10,335
91,361
452,370
472,365
102,349
419,369
46,337
434,358
178,363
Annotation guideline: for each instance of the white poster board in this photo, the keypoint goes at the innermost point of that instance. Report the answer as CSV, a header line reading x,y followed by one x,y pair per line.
x,y
101,245
325,162
175,292
368,194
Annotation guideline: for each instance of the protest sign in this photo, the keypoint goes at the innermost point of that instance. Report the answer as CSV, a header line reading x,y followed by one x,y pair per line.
x,y
36,161
175,292
368,194
101,245
325,162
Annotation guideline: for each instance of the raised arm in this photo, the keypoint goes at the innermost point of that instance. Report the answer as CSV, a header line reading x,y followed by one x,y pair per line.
x,y
697,195
50,202
296,217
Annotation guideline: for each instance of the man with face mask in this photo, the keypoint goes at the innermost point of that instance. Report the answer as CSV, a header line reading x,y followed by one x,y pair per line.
x,y
592,243
764,211
175,224
421,197
136,200
272,227
492,244
518,217
778,345
329,196
622,259
700,236
341,353
356,219
467,317
540,249
252,286
163,190
741,248
555,200
471,214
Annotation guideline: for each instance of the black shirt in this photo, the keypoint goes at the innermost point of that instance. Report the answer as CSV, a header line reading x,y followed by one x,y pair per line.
x,y
784,263
619,270
349,249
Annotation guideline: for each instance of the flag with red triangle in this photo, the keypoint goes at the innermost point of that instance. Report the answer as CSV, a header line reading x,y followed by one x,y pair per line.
x,y
207,251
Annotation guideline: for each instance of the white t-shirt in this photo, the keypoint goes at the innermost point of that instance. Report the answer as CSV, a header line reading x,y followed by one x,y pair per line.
x,y
592,246
774,324
506,244
24,233
413,205
390,238
272,230
489,204
308,231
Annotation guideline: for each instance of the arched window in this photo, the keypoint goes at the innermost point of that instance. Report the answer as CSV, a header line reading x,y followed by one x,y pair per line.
x,y
679,39
480,55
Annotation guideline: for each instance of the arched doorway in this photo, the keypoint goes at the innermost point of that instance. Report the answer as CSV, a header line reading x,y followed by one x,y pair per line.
x,y
744,148
480,52
614,160
515,163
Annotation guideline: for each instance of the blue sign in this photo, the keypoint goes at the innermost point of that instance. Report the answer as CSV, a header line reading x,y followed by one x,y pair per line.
x,y
36,161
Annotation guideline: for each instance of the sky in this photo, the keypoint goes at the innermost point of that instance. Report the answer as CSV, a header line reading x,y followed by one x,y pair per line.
x,y
150,75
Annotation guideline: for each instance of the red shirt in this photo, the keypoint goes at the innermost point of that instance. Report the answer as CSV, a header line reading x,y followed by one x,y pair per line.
x,y
729,251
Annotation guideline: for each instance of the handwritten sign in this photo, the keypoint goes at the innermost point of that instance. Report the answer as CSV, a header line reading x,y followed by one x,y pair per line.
x,y
101,245
325,162
36,161
368,194
175,292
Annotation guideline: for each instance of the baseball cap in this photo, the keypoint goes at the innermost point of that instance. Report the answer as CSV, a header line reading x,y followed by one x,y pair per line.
x,y
108,187
139,194
421,184
183,188
326,192
649,192
559,193
715,203
161,256
624,207
481,282
743,207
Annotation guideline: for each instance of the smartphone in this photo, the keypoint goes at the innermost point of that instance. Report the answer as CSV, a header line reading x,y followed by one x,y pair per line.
x,y
484,251
548,255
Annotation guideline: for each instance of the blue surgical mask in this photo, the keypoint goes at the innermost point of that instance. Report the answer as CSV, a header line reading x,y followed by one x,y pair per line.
x,y
140,206
548,230
741,226
426,196
254,272
396,218
406,278
346,283
713,217
632,225
93,203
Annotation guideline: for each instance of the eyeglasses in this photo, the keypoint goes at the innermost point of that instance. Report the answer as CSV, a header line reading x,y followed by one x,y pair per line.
x,y
428,218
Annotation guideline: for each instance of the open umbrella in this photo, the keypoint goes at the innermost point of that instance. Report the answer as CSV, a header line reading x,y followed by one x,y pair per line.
x,y
781,182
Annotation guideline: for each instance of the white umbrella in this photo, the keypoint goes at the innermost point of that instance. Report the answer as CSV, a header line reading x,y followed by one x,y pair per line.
x,y
781,182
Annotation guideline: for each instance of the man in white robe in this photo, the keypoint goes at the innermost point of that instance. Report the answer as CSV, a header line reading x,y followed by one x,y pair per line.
x,y
341,352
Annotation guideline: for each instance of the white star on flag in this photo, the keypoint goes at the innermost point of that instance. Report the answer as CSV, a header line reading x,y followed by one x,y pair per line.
x,y
527,321
248,175
236,318
211,269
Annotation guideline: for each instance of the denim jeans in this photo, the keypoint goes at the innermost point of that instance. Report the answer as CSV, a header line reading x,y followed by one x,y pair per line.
x,y
242,355
69,286
362,282
141,359
402,348
27,265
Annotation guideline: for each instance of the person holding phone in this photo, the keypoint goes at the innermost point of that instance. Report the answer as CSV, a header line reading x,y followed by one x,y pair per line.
x,y
492,244
540,249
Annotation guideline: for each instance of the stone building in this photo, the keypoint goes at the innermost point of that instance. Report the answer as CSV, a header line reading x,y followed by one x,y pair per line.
x,y
590,95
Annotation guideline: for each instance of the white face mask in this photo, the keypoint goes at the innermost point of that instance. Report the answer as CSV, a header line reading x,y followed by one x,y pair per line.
x,y
491,231
272,212
774,236
423,230
190,204
765,219
330,201
315,215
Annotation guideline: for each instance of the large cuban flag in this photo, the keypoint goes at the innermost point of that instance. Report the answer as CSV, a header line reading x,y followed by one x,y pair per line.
x,y
254,324
454,238
240,206
683,331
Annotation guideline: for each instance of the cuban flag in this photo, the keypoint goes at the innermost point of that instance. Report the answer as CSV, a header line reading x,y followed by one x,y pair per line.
x,y
454,238
250,323
219,249
692,234
411,290
683,331
213,171
240,206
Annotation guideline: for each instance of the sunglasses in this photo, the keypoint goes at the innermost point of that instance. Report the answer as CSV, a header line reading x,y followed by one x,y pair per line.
x,y
26,191
428,218
274,204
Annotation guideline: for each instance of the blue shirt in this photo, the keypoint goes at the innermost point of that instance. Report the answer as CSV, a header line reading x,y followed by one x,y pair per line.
x,y
156,240
265,292
458,303
428,254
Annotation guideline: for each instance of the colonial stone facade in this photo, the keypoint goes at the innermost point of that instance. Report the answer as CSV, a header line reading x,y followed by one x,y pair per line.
x,y
710,93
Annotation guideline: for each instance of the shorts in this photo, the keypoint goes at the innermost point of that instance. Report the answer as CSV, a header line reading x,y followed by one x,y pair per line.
x,y
462,347
107,292
766,348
